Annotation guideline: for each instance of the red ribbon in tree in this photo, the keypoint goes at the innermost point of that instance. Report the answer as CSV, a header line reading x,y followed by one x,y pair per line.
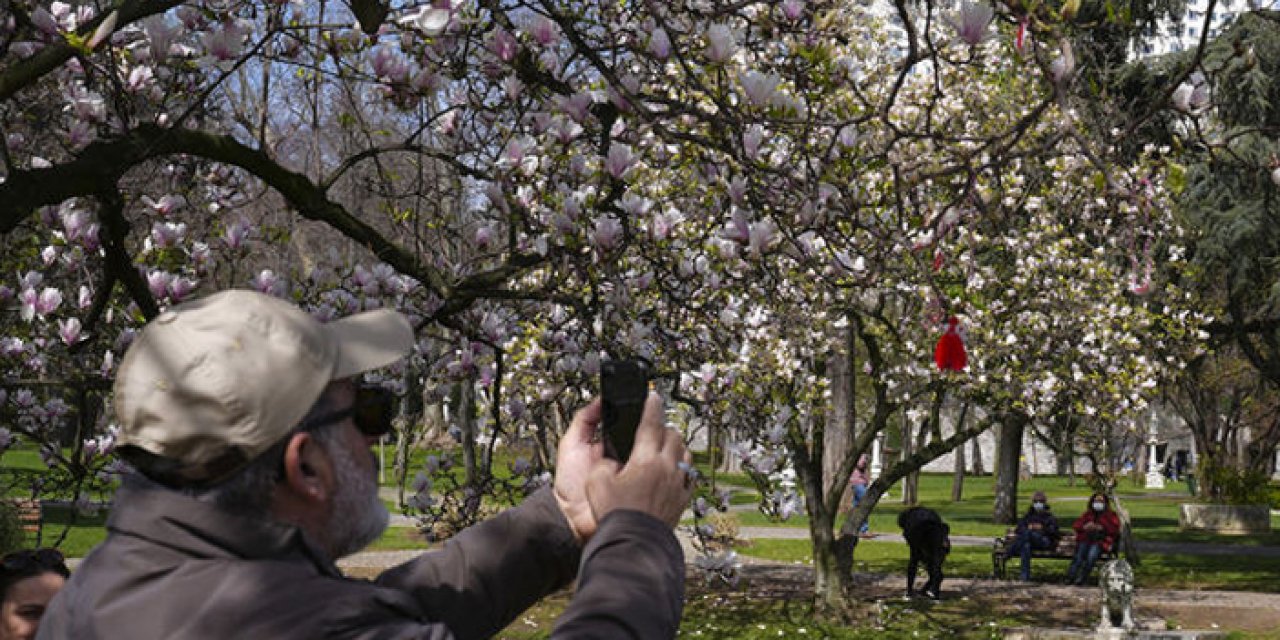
x,y
949,354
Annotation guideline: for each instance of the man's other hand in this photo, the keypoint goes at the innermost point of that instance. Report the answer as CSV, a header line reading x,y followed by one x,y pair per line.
x,y
580,450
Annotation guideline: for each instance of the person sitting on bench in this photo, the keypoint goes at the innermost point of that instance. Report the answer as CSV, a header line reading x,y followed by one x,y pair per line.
x,y
1097,530
1037,530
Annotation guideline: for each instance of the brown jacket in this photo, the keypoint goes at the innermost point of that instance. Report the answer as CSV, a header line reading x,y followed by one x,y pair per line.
x,y
176,568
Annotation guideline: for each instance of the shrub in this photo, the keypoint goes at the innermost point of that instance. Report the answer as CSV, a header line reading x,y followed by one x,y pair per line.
x,y
1232,485
11,534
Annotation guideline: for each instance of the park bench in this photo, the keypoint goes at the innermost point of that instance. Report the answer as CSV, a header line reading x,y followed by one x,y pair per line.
x,y
1066,550
30,517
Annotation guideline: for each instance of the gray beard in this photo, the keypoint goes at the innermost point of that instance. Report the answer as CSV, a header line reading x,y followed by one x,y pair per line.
x,y
358,517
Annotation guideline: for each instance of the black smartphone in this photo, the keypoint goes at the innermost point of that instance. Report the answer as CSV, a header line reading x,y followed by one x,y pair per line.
x,y
624,386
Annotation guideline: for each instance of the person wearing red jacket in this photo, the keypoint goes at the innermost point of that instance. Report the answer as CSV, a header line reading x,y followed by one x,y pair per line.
x,y
1096,531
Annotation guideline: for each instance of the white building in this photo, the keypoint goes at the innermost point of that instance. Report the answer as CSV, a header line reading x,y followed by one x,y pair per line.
x,y
1179,36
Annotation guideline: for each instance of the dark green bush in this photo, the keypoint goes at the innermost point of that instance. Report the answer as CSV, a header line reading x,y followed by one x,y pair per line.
x,y
1231,485
11,535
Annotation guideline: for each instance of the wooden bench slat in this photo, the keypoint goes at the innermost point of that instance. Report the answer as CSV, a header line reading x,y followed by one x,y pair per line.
x,y
30,515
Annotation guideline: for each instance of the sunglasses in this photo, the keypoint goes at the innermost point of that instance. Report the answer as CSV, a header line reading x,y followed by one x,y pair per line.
x,y
29,560
372,412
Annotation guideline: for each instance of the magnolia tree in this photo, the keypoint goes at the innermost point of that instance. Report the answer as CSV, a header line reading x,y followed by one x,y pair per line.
x,y
728,190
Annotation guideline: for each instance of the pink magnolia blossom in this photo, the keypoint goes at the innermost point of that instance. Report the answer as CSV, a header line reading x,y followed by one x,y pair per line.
x,y
266,281
515,155
493,327
166,205
792,9
738,229
512,86
565,130
31,280
366,281
80,135
48,301
158,283
140,78
762,236
389,66
721,43
1192,96
577,106
760,88
1062,67
11,347
237,233
1275,176
86,105
161,35
28,299
430,20
89,239
48,255
660,44
180,288
24,399
84,298
69,331
484,237
973,21
848,136
619,161
168,234
634,205
6,437
738,190
662,226
504,45
544,31
224,43
44,20
607,235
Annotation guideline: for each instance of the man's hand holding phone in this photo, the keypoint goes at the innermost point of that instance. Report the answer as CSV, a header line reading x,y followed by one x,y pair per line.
x,y
652,479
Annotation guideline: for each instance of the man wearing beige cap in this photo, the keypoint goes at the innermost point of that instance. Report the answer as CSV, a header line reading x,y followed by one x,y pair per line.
x,y
252,437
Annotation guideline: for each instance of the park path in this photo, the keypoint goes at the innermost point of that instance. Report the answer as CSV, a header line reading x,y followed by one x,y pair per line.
x,y
370,560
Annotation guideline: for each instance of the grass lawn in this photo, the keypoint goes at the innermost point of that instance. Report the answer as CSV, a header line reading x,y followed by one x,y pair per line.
x,y
1154,512
1163,571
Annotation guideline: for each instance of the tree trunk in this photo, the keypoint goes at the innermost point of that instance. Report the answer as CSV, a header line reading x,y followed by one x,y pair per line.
x,y
842,417
978,470
1008,454
465,394
957,479
832,567
909,486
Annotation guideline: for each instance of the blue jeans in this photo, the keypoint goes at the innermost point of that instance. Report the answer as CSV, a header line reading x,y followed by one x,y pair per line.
x,y
859,491
1024,544
1082,564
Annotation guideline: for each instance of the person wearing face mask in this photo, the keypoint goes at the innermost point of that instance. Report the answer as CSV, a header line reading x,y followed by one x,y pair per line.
x,y
1037,529
1097,530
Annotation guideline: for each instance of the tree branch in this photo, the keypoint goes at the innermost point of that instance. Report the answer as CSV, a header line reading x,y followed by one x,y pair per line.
x,y
27,71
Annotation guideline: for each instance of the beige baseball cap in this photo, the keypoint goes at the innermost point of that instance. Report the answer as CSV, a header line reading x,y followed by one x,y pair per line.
x,y
210,384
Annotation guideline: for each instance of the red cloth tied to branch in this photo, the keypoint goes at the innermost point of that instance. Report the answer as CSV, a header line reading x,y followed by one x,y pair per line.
x,y
949,354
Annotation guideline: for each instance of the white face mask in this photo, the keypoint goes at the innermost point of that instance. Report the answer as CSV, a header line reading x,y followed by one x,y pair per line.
x,y
1099,506
1038,506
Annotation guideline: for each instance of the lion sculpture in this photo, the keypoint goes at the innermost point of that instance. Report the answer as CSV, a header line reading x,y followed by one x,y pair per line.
x,y
1116,580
